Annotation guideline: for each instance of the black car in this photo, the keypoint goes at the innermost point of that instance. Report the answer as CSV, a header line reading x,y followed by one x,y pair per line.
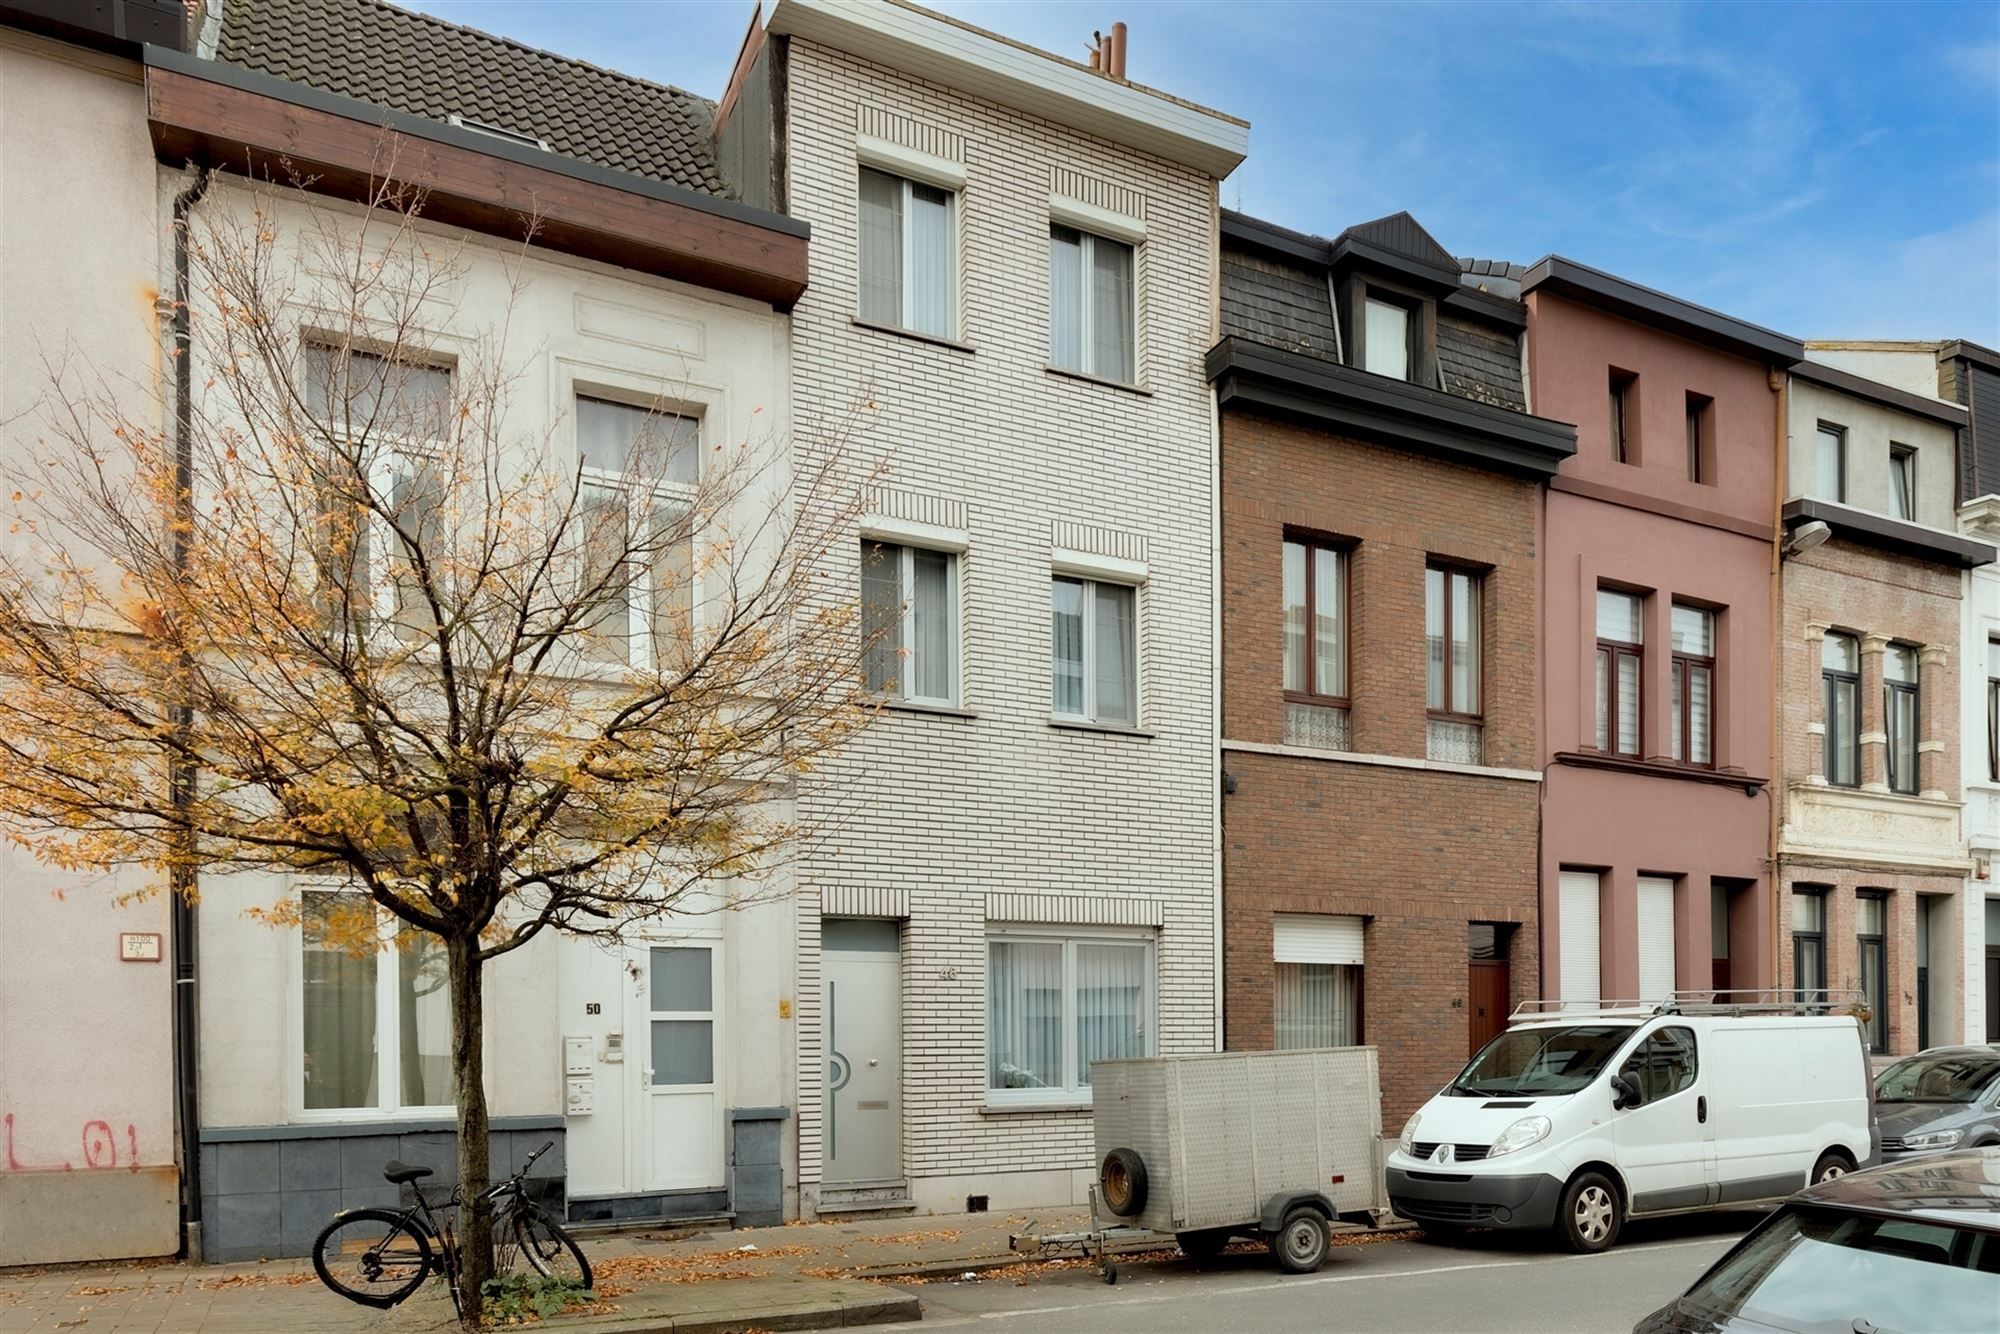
x,y
1906,1246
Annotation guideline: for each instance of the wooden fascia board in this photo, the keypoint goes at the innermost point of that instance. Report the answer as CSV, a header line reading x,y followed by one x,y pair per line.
x,y
257,134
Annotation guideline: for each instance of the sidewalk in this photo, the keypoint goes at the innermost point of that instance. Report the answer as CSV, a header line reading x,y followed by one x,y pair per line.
x,y
801,1276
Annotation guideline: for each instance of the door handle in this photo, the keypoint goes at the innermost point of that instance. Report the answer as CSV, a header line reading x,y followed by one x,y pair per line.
x,y
873,1063
1701,1109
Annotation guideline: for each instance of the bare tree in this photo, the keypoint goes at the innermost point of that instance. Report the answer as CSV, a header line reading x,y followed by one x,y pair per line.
x,y
348,625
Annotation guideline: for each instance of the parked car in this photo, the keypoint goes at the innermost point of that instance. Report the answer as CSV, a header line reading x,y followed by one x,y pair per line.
x,y
1577,1120
1944,1098
1911,1245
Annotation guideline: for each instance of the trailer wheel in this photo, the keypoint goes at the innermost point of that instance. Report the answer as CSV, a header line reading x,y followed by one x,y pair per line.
x,y
1301,1242
1121,1182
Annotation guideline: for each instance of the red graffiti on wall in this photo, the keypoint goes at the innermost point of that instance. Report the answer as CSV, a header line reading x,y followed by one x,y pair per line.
x,y
100,1150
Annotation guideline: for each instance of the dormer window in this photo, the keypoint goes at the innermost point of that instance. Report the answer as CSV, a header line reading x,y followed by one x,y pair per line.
x,y
1385,341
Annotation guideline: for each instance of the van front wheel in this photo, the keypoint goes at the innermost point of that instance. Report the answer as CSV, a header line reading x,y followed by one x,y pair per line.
x,y
1591,1213
1833,1163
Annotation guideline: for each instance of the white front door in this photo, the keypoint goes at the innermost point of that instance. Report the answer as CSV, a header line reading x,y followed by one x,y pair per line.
x,y
678,1056
862,965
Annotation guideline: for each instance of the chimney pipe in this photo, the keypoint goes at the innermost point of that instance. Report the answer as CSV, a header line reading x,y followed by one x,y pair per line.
x,y
1097,51
1118,50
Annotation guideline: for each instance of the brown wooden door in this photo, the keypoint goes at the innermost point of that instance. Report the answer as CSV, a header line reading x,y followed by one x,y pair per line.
x,y
1486,990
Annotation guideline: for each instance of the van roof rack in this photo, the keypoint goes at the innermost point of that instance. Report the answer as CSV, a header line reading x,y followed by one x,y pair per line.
x,y
1703,1001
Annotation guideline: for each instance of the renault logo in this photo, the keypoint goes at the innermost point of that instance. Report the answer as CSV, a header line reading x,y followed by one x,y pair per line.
x,y
1443,1154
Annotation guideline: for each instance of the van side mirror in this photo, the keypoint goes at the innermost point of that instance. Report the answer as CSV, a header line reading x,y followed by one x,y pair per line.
x,y
1624,1092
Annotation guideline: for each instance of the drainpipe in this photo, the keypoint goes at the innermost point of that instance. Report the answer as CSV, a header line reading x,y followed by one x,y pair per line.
x,y
187,1032
1780,382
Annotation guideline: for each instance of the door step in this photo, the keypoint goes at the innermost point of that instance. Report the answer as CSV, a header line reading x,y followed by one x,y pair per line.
x,y
690,1224
887,1198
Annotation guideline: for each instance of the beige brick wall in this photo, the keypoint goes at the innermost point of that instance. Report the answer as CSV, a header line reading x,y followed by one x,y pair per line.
x,y
1877,597
947,809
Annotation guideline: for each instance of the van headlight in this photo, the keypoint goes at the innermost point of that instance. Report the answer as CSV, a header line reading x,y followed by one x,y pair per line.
x,y
1528,1130
1409,1131
1933,1139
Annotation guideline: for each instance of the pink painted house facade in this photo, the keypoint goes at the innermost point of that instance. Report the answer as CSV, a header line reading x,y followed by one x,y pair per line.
x,y
1658,565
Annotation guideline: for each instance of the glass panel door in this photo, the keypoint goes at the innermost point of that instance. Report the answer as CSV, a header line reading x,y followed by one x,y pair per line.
x,y
683,1124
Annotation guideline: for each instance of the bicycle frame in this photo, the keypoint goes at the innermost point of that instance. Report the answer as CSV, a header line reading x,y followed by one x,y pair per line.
x,y
438,1226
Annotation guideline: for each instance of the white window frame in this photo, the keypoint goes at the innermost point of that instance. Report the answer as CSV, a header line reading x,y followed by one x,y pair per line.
x,y
388,1028
399,455
906,583
906,251
1091,582
1074,1093
1086,331
640,503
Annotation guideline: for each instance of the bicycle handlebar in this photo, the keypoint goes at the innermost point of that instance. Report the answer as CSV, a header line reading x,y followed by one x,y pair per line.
x,y
536,1154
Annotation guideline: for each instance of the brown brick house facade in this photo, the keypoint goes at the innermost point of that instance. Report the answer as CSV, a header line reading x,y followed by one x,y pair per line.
x,y
1886,583
1367,826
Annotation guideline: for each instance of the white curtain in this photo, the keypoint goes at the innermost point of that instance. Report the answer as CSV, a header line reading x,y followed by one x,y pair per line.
x,y
619,438
1827,480
1066,646
1698,714
1434,599
931,262
881,248
1386,344
881,614
1117,640
339,1010
672,592
1024,1009
1628,703
423,1013
1295,616
1329,624
1315,1005
930,668
606,513
1111,312
1110,1004
1464,643
1656,938
1065,298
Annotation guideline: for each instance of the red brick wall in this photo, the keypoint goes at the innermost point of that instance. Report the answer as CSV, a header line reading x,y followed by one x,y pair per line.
x,y
1418,852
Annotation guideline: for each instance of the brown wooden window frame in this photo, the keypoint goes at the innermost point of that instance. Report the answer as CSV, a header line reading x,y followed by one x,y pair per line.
x,y
1700,438
1623,406
1611,650
1342,551
1684,666
1476,576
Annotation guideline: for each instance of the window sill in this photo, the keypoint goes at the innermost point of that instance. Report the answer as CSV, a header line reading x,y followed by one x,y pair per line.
x,y
1113,729
913,335
991,1108
918,706
1594,759
1088,378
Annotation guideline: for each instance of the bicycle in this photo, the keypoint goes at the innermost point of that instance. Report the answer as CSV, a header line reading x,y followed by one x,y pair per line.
x,y
379,1257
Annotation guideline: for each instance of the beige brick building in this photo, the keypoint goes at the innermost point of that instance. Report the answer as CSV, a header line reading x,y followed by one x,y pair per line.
x,y
1871,847
1014,281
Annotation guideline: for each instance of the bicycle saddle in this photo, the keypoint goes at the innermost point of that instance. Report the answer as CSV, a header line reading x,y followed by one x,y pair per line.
x,y
403,1173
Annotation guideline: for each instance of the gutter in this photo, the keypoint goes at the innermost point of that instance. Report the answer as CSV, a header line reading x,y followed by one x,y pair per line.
x,y
187,1027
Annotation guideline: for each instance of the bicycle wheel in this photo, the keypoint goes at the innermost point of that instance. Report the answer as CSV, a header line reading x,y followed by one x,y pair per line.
x,y
548,1250
376,1257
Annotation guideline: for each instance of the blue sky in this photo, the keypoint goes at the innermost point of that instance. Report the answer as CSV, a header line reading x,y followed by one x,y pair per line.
x,y
1829,170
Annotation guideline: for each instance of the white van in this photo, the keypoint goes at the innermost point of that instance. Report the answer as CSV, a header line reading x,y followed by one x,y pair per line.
x,y
1579,1119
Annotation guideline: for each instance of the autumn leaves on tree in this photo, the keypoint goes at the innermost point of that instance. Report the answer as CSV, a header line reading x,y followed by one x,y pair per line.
x,y
348,625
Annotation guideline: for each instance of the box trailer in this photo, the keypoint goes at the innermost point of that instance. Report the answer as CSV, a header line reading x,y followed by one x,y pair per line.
x,y
1274,1145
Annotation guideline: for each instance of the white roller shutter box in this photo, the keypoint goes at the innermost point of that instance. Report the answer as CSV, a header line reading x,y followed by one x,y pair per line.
x,y
1656,937
1316,940
1578,942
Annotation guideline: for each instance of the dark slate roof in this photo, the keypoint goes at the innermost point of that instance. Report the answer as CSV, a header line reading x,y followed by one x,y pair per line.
x,y
424,66
1405,235
1493,268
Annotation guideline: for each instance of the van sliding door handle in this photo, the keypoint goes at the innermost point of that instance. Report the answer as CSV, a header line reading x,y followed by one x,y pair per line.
x,y
1701,1109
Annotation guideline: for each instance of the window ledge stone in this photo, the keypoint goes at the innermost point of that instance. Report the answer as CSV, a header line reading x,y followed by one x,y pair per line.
x,y
918,706
1088,378
1114,729
913,335
1067,1105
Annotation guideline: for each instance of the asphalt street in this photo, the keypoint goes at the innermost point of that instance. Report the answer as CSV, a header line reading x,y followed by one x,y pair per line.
x,y
1485,1282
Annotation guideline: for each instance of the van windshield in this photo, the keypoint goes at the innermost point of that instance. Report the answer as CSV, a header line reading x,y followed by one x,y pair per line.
x,y
1534,1062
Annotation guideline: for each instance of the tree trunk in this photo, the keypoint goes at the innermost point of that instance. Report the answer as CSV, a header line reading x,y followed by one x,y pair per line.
x,y
468,1064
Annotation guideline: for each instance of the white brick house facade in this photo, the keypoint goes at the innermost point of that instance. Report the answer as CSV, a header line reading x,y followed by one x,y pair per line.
x,y
952,822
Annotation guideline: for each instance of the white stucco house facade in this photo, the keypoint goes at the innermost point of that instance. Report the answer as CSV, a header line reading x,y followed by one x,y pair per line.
x,y
1015,264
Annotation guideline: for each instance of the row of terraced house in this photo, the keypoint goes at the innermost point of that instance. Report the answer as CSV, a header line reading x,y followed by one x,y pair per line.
x,y
1311,641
